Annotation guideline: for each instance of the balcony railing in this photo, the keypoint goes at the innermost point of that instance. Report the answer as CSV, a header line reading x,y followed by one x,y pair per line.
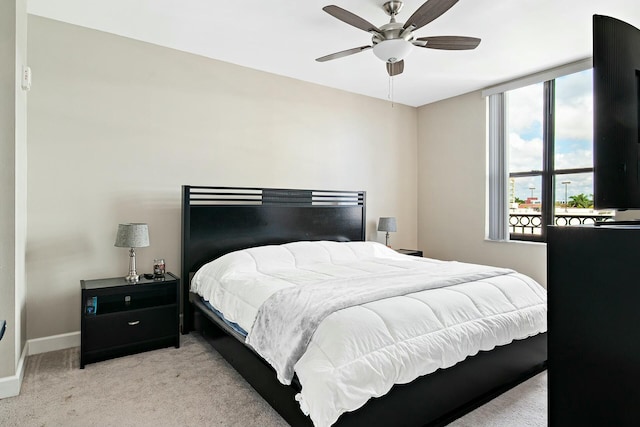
x,y
531,223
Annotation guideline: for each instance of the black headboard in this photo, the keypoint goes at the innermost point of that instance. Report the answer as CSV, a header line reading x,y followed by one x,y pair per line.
x,y
219,220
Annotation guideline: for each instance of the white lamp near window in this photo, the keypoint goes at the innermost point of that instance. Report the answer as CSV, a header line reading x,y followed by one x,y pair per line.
x,y
135,235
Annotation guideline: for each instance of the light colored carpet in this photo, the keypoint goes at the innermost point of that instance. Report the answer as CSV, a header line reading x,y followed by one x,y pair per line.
x,y
189,386
523,406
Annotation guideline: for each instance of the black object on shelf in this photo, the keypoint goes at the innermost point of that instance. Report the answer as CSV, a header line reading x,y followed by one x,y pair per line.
x,y
413,252
3,327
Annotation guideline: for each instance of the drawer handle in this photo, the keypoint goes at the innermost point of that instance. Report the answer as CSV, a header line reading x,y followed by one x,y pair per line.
x,y
133,323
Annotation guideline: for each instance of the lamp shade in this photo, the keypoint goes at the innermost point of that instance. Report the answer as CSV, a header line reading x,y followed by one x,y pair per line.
x,y
387,224
392,50
134,235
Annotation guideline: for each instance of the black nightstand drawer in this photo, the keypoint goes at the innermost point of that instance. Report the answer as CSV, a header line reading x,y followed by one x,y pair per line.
x,y
123,328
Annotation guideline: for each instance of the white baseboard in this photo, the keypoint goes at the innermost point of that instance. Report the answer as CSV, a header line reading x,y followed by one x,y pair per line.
x,y
54,342
10,386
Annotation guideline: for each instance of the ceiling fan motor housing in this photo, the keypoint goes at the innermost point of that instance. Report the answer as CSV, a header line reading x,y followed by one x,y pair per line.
x,y
392,43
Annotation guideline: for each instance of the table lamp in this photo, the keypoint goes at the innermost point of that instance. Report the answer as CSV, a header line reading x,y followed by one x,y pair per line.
x,y
387,224
135,235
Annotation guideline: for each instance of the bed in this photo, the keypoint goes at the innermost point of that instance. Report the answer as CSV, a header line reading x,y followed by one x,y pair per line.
x,y
239,234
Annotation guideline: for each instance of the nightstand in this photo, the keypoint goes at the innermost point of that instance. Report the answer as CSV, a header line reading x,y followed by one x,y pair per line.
x,y
120,318
413,252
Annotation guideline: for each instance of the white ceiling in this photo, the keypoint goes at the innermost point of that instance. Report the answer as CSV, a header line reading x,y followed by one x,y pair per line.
x,y
284,37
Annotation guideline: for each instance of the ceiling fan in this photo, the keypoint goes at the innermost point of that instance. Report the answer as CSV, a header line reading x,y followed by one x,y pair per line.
x,y
392,42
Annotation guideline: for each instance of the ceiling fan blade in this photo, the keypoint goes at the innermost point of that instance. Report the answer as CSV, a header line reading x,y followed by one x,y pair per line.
x,y
429,11
448,42
350,18
395,68
343,53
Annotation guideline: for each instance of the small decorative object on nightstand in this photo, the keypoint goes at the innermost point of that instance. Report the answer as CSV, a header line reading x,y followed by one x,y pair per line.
x,y
158,267
387,224
413,252
132,236
118,318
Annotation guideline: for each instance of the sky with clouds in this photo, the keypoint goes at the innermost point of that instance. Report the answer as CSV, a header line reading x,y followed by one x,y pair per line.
x,y
573,134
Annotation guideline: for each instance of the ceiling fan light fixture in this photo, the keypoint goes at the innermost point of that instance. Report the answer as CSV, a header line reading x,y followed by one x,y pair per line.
x,y
392,50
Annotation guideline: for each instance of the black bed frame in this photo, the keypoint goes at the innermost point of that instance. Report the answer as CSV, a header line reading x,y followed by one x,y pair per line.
x,y
219,220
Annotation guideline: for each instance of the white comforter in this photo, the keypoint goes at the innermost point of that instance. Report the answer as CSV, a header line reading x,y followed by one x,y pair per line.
x,y
360,352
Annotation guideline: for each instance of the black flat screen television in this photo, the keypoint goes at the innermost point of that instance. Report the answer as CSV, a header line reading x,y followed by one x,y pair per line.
x,y
616,92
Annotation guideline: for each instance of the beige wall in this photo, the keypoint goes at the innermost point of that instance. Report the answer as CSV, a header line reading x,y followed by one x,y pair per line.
x,y
116,126
452,182
13,171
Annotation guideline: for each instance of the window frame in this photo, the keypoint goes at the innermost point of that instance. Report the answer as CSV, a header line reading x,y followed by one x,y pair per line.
x,y
498,158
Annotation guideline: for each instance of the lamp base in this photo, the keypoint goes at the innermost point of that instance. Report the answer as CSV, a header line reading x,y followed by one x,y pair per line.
x,y
132,277
135,278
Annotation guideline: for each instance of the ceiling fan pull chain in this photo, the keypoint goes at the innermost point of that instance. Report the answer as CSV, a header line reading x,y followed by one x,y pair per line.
x,y
390,92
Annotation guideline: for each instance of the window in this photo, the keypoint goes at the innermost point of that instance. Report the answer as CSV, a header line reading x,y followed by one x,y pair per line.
x,y
547,137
